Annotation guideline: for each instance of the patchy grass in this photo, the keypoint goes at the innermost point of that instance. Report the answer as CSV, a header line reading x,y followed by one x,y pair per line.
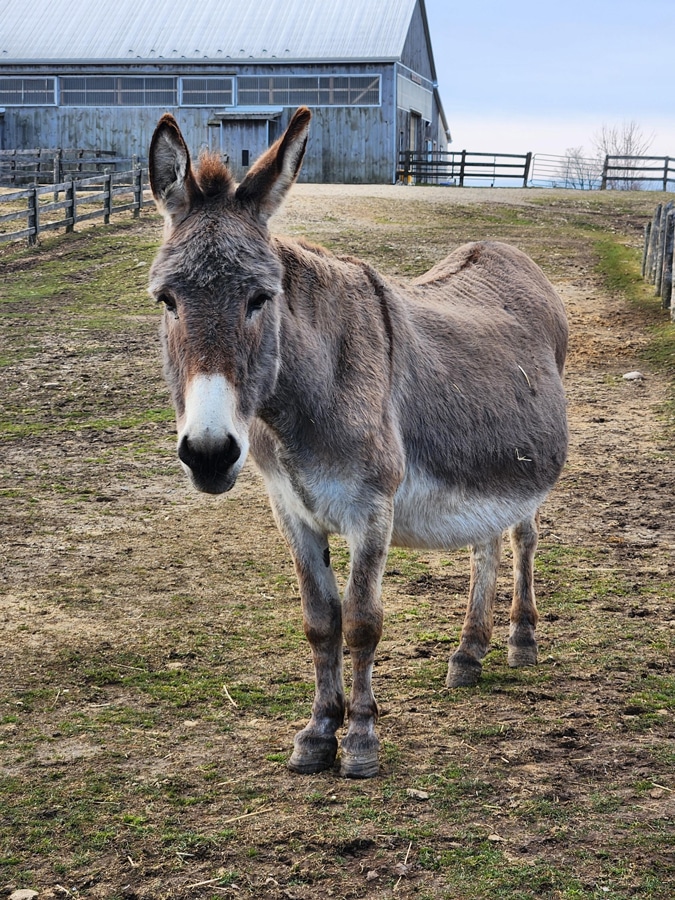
x,y
619,266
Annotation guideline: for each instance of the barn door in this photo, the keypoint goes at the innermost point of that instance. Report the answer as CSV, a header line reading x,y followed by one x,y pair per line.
x,y
244,141
414,141
415,129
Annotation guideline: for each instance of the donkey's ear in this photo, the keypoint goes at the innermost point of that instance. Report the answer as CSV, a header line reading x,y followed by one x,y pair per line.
x,y
171,179
269,179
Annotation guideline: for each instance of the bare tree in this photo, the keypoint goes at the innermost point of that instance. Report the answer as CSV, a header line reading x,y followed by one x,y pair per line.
x,y
579,171
624,142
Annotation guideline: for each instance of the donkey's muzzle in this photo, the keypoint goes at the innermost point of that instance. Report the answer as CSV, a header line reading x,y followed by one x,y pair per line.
x,y
211,468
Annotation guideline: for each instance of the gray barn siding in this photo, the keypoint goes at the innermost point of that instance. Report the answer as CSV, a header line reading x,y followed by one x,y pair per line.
x,y
416,56
347,144
354,144
415,53
127,132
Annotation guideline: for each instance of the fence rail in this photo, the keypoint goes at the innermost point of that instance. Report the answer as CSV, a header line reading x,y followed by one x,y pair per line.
x,y
52,166
634,171
440,167
83,199
658,257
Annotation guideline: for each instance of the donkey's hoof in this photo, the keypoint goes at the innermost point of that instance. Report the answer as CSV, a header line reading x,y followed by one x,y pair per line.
x,y
359,765
463,670
522,654
359,757
312,754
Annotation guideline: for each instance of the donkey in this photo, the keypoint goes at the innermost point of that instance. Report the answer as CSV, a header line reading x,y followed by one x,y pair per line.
x,y
429,414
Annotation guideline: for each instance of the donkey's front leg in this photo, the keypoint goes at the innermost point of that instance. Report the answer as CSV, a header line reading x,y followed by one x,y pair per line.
x,y
465,665
315,747
362,626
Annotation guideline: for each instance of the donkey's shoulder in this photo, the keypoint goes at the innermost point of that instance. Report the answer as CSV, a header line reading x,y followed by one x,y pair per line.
x,y
299,247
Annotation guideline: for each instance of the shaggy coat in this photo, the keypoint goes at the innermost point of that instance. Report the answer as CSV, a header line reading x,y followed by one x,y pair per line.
x,y
429,414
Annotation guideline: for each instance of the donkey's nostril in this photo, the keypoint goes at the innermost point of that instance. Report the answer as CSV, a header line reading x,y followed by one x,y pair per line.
x,y
211,462
186,453
231,451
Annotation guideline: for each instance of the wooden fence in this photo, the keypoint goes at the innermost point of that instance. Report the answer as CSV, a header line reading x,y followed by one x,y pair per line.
x,y
634,171
462,167
19,167
83,199
455,168
658,254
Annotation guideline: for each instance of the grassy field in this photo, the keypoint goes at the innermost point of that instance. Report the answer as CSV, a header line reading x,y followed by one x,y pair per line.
x,y
153,659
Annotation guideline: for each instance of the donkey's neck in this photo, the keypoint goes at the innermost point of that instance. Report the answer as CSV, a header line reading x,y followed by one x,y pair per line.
x,y
335,341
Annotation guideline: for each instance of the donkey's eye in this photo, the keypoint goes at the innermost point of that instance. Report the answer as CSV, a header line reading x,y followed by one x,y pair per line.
x,y
255,303
168,300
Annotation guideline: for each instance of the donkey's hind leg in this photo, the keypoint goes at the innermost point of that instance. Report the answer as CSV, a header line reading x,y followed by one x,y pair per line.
x,y
522,642
465,666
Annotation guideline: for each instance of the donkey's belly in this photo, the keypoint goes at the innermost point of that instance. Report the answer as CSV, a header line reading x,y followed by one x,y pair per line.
x,y
430,515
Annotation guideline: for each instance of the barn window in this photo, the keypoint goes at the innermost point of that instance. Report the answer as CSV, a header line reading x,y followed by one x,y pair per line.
x,y
118,90
207,91
26,91
309,90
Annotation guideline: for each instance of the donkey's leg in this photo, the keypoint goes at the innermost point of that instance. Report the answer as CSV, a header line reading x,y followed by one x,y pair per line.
x,y
522,643
315,747
362,625
465,666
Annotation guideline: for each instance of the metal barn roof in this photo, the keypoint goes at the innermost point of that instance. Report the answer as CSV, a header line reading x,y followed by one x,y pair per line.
x,y
208,30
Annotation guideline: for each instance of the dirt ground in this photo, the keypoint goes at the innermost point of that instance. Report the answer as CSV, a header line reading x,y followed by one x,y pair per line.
x,y
154,669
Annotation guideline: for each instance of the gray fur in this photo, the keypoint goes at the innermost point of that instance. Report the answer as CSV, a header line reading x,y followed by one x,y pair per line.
x,y
428,414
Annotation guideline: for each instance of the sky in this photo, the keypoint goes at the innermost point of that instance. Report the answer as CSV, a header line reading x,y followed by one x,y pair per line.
x,y
533,75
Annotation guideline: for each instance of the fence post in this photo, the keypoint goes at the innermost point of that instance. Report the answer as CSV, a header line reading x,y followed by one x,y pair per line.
x,y
666,165
653,243
138,191
660,249
71,208
667,274
603,181
461,168
58,172
645,249
526,171
107,198
407,167
33,216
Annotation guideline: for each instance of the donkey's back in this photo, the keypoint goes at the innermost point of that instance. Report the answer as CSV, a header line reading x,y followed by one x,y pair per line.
x,y
488,278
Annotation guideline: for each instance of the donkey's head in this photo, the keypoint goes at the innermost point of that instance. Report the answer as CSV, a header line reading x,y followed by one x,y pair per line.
x,y
220,280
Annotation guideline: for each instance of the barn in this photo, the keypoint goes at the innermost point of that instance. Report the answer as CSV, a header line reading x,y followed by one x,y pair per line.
x,y
76,74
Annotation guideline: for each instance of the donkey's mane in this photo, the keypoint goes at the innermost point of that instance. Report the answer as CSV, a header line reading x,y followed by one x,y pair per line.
x,y
213,176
